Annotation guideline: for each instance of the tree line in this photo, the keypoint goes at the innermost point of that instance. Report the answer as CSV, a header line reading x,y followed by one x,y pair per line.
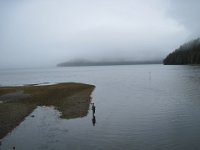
x,y
188,53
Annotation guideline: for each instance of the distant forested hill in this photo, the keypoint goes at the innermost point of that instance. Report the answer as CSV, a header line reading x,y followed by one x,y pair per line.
x,y
188,53
105,63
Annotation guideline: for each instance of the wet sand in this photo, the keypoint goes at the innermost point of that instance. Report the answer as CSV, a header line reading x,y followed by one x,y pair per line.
x,y
71,99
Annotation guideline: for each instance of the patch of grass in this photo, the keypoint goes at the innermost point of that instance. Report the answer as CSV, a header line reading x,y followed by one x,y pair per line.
x,y
71,99
11,114
4,90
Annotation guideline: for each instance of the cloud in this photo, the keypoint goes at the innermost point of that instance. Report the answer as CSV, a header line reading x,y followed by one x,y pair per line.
x,y
186,13
36,32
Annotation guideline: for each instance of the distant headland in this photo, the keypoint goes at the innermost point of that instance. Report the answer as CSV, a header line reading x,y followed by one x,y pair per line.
x,y
105,63
188,53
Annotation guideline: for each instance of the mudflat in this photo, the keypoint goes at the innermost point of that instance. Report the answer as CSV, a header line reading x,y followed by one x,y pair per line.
x,y
71,99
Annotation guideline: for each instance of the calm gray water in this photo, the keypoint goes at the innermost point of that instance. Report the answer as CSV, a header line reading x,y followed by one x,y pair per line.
x,y
139,107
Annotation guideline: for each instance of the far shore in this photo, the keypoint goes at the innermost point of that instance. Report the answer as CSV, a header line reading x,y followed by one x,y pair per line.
x,y
106,63
71,99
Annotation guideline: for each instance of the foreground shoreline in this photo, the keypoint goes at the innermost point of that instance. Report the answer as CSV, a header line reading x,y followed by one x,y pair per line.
x,y
71,99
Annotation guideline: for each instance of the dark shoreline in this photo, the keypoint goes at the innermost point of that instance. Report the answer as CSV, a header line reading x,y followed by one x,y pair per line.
x,y
111,63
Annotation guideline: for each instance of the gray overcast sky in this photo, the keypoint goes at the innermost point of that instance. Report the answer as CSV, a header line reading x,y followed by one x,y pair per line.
x,y
46,32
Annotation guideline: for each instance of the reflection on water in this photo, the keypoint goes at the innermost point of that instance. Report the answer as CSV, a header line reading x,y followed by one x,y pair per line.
x,y
46,128
93,120
93,116
42,128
